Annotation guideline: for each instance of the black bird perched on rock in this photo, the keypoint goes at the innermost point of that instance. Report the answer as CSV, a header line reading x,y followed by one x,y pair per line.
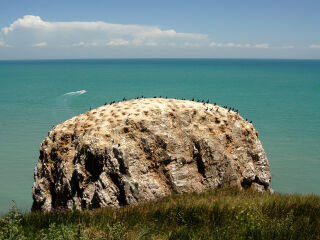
x,y
214,104
198,100
250,121
208,101
192,99
166,97
124,99
247,119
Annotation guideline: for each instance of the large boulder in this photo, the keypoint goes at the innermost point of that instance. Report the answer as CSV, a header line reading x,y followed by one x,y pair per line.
x,y
143,149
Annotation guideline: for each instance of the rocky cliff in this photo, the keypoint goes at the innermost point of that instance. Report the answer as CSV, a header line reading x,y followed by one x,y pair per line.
x,y
143,149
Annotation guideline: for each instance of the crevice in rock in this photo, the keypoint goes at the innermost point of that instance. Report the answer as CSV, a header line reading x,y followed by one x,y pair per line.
x,y
246,183
265,185
229,139
74,182
53,194
166,161
146,148
122,194
94,165
198,157
161,143
169,180
255,157
123,166
95,202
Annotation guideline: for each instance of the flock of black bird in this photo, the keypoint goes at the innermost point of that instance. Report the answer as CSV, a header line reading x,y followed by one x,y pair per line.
x,y
193,99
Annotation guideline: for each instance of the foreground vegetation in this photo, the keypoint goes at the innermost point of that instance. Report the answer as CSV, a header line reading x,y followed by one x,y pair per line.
x,y
220,214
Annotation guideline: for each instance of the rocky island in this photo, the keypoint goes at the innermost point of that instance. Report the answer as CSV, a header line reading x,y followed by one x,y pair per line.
x,y
143,149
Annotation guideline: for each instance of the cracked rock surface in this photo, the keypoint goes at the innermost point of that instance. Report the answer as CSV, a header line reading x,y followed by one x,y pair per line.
x,y
143,149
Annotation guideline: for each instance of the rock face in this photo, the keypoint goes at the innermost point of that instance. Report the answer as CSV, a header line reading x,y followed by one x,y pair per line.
x,y
143,149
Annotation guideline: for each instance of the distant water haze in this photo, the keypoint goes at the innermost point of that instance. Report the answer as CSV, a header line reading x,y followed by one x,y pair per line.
x,y
281,97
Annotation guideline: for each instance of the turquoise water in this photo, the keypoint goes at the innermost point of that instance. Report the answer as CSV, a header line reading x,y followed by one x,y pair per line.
x,y
281,97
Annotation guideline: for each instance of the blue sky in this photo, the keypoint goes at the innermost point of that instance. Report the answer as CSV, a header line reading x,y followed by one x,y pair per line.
x,y
109,29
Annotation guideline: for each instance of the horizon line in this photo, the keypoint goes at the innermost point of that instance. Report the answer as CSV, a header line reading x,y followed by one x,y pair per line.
x,y
153,58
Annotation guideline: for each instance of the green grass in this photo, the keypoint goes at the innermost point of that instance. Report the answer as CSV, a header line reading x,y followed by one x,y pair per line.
x,y
221,214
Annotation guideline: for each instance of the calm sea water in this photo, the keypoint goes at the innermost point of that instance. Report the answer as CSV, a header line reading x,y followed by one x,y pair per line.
x,y
281,97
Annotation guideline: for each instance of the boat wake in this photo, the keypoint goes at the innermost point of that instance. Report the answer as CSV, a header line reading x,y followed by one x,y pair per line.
x,y
75,93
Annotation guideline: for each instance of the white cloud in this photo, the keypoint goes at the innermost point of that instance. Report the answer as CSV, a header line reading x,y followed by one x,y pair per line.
x,y
212,44
229,45
263,45
84,44
314,46
35,30
103,39
117,42
40,44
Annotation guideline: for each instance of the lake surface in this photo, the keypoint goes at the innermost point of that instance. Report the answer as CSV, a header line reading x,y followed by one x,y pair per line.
x,y
281,97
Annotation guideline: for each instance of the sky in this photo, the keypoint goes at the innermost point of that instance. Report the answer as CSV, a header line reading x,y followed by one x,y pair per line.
x,y
43,29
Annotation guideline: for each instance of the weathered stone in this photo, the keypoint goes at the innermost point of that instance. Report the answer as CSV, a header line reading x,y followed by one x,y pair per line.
x,y
143,149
